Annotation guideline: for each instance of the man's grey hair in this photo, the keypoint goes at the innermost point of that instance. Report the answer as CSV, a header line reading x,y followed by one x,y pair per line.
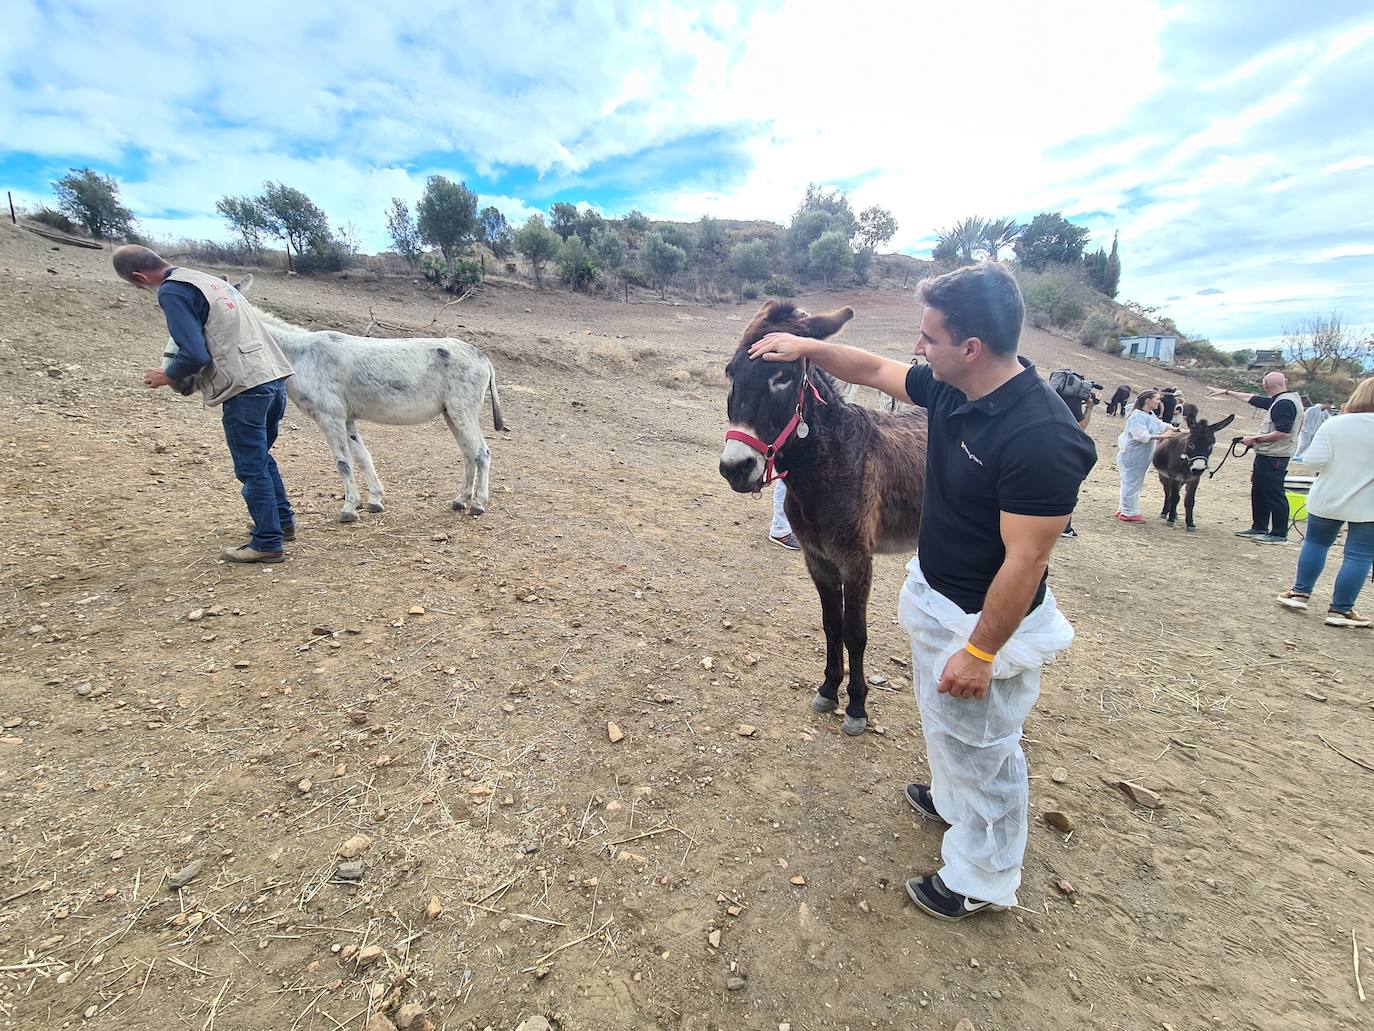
x,y
133,258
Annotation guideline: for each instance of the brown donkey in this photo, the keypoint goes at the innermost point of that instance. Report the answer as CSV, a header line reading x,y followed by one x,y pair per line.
x,y
855,480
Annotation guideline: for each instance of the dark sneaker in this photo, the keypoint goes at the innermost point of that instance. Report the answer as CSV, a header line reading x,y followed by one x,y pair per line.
x,y
930,893
246,553
918,795
1252,533
1350,619
288,533
1269,538
1069,532
788,541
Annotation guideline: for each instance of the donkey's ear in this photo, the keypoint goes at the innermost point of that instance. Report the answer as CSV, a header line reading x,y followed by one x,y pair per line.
x,y
827,323
244,284
770,313
1217,427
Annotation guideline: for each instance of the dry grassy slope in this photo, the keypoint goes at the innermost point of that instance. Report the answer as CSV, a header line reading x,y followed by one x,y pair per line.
x,y
609,514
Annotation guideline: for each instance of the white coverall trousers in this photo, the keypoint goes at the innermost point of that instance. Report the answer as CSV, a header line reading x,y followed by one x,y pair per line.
x,y
1133,464
977,769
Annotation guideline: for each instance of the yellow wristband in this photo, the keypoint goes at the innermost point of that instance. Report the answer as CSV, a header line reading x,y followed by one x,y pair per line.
x,y
978,653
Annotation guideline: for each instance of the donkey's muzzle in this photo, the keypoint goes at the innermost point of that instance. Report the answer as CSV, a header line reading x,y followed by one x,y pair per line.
x,y
744,477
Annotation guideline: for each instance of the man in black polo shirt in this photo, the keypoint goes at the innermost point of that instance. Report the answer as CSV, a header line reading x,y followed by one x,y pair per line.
x,y
1005,460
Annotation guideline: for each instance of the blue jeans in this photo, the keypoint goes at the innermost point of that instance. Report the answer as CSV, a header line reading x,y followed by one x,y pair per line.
x,y
1359,558
250,429
781,527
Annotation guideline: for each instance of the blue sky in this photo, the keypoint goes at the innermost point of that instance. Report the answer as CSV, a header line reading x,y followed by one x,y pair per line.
x,y
1230,144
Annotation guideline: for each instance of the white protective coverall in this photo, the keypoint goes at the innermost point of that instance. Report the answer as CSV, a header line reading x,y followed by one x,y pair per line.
x,y
1312,420
1133,458
977,769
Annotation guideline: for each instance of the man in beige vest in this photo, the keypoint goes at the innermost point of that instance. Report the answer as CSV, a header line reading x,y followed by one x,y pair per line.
x,y
228,352
1274,444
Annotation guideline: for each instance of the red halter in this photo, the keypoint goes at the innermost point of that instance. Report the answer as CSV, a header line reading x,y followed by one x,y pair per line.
x,y
771,451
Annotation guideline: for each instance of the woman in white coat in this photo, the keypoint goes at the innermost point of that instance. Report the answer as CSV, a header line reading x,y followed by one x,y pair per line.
x,y
1343,450
1136,446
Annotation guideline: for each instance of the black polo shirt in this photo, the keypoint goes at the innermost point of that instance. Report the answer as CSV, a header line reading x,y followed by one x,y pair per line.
x,y
1017,450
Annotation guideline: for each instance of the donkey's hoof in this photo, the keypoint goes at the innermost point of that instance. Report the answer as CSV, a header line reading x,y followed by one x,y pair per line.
x,y
375,506
855,725
476,511
822,704
348,517
459,506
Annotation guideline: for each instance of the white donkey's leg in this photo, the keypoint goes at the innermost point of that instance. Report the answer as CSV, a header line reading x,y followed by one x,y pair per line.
x,y
479,504
362,458
336,436
476,458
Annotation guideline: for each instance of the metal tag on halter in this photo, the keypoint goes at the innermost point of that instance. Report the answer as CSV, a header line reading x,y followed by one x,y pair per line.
x,y
803,429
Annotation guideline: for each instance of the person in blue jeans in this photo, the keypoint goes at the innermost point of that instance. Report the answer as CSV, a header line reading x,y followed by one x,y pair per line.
x,y
1343,451
224,349
250,429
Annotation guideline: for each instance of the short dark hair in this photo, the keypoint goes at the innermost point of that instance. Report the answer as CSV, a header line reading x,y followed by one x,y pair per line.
x,y
980,301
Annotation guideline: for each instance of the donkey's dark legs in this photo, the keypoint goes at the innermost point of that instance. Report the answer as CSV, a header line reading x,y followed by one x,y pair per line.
x,y
1189,495
1171,491
857,583
826,576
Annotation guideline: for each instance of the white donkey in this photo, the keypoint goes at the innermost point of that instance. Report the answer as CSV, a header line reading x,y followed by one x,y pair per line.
x,y
400,382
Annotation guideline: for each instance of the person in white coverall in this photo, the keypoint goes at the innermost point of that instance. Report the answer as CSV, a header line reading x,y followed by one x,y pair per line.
x,y
1004,463
1136,447
1312,420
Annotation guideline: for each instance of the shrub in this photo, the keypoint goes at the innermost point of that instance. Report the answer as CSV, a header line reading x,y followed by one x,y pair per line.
x,y
1055,298
780,286
750,260
212,252
750,292
464,274
830,256
54,220
325,254
662,260
1094,329
538,243
1202,349
575,265
456,277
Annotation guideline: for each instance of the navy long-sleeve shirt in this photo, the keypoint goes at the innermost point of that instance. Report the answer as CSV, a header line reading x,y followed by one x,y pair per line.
x,y
187,311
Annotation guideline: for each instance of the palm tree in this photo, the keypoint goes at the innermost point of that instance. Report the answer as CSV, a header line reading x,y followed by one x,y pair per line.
x,y
999,233
962,240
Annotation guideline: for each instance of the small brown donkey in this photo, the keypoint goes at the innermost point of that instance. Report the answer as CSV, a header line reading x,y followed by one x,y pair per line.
x,y
1181,461
855,481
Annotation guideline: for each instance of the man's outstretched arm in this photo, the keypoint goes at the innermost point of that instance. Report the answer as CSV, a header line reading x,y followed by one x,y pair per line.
x,y
847,363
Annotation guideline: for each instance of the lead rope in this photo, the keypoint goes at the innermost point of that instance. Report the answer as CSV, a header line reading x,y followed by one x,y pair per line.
x,y
1245,450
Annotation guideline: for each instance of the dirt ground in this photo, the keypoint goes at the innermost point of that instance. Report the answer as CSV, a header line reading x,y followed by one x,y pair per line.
x,y
443,686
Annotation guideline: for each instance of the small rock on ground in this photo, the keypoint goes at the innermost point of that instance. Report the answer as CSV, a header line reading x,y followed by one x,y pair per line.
x,y
185,875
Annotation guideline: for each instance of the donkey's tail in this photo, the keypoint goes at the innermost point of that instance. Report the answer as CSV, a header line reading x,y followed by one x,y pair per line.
x,y
496,415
